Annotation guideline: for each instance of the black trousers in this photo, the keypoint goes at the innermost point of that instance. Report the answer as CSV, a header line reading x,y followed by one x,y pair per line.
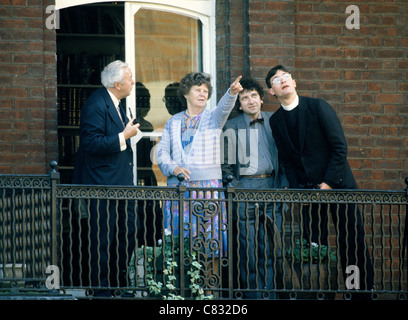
x,y
350,236
112,235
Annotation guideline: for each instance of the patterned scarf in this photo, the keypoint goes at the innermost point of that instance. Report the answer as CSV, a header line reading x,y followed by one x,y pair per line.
x,y
187,133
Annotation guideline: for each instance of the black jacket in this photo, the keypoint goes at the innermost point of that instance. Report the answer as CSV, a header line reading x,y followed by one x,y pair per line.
x,y
99,159
322,153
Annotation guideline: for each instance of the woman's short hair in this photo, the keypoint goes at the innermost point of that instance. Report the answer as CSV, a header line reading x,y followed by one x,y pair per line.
x,y
112,73
193,79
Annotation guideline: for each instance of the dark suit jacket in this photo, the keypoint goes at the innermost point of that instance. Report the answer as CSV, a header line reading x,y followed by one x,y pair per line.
x,y
231,127
99,159
323,146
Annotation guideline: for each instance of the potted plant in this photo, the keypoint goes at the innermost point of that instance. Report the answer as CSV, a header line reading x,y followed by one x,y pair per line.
x,y
312,265
161,263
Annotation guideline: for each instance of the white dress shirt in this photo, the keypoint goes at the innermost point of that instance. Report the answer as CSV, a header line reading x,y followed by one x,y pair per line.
x,y
122,140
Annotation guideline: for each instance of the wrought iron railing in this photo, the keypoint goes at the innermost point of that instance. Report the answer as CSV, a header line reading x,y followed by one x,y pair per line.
x,y
234,243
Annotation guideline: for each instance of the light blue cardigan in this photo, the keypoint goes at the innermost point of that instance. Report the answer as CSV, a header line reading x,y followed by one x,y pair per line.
x,y
204,157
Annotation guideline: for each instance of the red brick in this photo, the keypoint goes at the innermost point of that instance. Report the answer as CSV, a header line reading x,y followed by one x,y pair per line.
x,y
383,9
13,92
279,6
13,24
28,58
389,98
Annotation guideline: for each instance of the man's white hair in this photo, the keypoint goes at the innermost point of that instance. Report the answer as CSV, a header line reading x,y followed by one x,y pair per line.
x,y
112,73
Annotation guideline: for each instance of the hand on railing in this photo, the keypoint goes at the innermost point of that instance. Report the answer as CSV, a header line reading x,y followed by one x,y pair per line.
x,y
180,170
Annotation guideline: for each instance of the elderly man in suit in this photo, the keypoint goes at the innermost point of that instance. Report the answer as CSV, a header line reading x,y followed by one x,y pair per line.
x,y
105,157
251,157
313,150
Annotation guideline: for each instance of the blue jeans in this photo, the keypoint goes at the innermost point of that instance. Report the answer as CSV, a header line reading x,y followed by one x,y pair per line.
x,y
255,263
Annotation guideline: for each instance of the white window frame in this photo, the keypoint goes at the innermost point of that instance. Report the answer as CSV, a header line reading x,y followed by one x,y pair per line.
x,y
202,10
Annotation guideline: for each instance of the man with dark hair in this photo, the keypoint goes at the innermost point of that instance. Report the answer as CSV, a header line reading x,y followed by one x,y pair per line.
x,y
251,157
313,150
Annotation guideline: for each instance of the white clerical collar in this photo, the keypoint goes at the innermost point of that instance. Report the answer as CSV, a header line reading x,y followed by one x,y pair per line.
x,y
293,105
114,99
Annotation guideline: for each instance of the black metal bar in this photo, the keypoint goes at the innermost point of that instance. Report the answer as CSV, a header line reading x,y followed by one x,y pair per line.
x,y
229,197
181,190
54,177
405,241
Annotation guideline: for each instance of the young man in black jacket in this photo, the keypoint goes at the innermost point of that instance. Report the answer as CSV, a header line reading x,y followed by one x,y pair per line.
x,y
312,149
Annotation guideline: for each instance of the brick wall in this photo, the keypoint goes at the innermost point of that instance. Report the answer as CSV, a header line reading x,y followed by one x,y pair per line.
x,y
362,73
28,136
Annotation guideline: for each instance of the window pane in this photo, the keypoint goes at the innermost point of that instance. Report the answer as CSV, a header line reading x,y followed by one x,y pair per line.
x,y
167,47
